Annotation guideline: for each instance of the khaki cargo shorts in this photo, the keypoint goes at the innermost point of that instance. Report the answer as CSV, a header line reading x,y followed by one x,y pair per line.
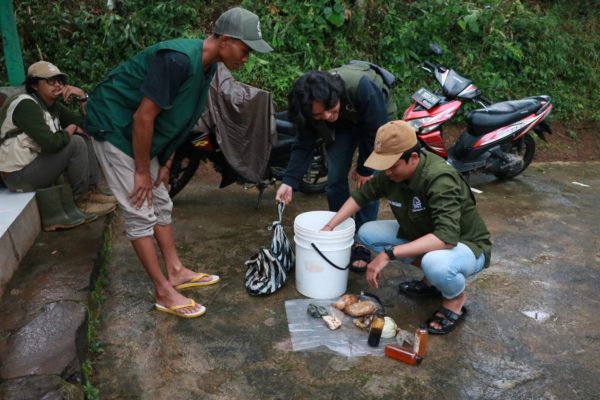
x,y
119,171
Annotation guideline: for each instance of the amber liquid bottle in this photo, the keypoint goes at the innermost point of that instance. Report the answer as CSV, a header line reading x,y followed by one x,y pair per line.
x,y
420,340
401,354
405,355
375,331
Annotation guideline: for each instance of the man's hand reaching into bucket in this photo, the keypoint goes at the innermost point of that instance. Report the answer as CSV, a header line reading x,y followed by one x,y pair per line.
x,y
327,228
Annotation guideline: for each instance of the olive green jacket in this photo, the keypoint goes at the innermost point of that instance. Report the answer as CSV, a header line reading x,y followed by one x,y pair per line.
x,y
29,127
436,200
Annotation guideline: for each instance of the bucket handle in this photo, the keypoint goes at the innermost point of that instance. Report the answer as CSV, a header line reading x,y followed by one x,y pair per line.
x,y
326,259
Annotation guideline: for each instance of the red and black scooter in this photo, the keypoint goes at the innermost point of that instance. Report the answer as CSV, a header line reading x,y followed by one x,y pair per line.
x,y
496,140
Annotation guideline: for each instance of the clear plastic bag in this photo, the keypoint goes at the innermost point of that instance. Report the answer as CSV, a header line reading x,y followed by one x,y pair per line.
x,y
308,333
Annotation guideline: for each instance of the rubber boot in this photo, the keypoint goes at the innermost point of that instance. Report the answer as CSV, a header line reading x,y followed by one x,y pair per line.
x,y
66,197
52,212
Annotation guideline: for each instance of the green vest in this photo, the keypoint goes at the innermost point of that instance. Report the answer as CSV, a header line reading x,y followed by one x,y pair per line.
x,y
351,74
113,102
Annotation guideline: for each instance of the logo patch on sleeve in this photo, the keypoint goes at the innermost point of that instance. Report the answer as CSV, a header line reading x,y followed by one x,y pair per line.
x,y
417,205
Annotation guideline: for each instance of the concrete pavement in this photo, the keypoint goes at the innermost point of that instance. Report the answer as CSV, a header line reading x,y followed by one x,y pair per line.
x,y
531,332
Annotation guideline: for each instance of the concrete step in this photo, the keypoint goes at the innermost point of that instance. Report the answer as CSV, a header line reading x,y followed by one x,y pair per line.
x,y
19,227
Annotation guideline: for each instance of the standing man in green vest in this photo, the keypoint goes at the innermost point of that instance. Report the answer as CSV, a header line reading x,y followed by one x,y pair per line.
x,y
345,107
139,115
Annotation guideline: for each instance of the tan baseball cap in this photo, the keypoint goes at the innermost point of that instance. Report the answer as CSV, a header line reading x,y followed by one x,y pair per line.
x,y
241,24
44,69
392,140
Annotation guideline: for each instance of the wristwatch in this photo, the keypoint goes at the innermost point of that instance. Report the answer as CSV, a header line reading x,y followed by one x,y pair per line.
x,y
389,251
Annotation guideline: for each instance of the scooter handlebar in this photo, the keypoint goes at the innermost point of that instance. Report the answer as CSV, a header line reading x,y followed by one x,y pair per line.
x,y
484,100
429,66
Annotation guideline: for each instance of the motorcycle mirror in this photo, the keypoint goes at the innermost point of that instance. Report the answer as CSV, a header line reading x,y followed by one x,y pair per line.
x,y
436,49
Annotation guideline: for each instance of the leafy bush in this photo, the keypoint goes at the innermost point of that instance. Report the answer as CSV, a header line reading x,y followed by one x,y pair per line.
x,y
510,49
87,40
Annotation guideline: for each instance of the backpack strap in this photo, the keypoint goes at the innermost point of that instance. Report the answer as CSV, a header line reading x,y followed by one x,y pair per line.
x,y
388,78
10,134
352,73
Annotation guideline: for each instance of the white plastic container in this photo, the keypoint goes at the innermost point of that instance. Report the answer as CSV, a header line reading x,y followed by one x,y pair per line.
x,y
315,276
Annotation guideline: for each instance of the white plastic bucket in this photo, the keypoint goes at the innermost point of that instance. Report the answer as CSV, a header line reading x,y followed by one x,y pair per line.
x,y
315,276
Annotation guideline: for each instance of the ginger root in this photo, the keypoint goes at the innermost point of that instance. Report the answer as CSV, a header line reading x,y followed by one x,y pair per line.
x,y
345,301
361,309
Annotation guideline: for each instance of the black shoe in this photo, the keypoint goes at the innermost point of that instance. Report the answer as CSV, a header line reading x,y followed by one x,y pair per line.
x,y
448,320
417,289
359,253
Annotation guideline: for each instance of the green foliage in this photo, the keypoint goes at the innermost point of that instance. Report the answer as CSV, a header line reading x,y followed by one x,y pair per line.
x,y
335,14
87,40
510,49
94,318
90,392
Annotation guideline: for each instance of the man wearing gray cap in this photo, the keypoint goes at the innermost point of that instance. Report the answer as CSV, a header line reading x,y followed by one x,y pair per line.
x,y
139,115
436,227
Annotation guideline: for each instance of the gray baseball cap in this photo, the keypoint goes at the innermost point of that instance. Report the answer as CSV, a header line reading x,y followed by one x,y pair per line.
x,y
241,24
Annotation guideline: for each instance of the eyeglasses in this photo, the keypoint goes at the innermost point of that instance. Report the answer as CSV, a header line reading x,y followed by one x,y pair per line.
x,y
61,80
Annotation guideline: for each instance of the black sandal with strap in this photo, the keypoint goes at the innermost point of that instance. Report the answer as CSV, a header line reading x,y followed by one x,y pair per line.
x,y
415,289
359,253
448,320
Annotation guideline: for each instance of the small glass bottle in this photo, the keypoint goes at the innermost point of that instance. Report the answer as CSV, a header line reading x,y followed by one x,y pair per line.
x,y
420,340
375,331
401,354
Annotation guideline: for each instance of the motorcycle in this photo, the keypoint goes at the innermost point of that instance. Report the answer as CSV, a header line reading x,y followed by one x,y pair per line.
x,y
497,138
203,146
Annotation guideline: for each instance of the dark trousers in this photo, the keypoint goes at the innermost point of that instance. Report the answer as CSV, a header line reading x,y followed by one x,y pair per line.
x,y
339,162
77,160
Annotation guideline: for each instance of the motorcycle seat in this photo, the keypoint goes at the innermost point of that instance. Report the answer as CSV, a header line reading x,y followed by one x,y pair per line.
x,y
484,120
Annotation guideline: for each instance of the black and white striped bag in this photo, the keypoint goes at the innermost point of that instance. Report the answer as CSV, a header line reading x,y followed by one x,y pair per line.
x,y
281,247
264,274
266,271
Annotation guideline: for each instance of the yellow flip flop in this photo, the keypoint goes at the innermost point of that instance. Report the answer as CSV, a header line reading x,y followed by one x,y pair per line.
x,y
175,309
195,281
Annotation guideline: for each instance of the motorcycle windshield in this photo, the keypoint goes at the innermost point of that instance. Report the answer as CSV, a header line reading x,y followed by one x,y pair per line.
x,y
453,83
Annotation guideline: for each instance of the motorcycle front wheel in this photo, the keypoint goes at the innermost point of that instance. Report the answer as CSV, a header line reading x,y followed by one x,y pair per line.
x,y
315,179
525,149
313,182
184,166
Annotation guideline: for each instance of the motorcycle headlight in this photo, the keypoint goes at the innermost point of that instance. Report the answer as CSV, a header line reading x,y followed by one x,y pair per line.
x,y
417,123
420,125
430,128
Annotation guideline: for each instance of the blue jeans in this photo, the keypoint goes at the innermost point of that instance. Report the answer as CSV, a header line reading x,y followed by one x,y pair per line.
x,y
339,162
445,269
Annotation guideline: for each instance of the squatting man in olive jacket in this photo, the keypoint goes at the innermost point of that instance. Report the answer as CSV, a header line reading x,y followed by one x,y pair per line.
x,y
437,226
